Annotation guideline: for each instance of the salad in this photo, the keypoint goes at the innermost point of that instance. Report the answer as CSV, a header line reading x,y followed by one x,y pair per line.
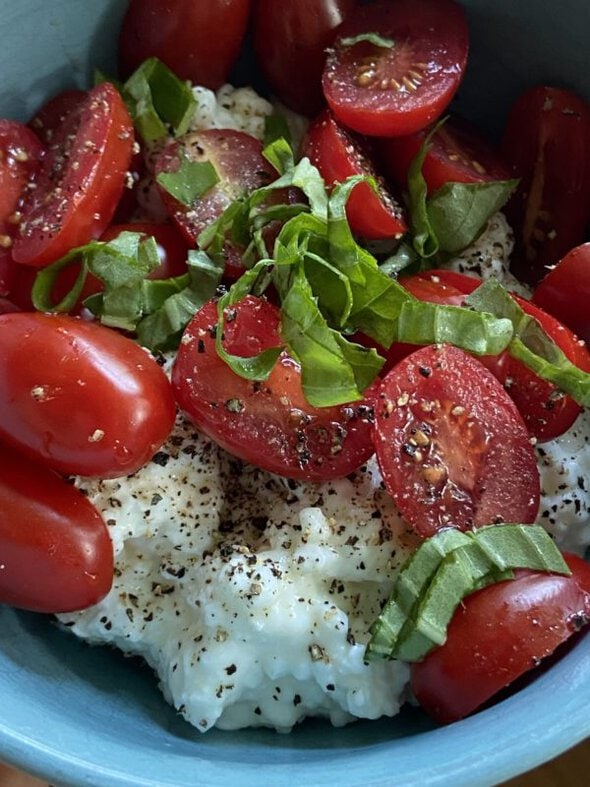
x,y
346,510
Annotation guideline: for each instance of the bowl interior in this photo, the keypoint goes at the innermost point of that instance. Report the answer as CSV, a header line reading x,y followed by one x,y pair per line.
x,y
76,714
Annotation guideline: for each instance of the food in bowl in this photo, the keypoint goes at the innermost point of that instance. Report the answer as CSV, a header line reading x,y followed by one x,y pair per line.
x,y
251,643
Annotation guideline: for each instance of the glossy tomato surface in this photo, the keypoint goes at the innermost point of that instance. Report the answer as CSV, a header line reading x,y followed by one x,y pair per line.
x,y
80,180
498,634
397,89
268,423
198,39
56,552
290,41
547,144
372,214
49,118
452,447
79,397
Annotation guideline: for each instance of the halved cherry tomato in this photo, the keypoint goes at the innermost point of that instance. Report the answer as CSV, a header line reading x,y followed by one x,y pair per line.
x,y
565,291
20,154
199,40
499,633
80,180
547,144
78,397
452,447
51,116
56,552
269,424
547,411
457,154
398,89
290,41
338,155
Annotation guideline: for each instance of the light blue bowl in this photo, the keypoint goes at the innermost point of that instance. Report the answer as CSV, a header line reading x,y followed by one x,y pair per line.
x,y
78,715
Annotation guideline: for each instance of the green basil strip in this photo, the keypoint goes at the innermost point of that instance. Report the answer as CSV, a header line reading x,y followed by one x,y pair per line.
x,y
276,127
156,97
330,287
403,260
41,293
279,154
443,570
530,344
190,181
424,239
372,38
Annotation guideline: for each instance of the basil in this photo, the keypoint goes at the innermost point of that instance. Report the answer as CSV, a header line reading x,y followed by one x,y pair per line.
x,y
372,38
190,181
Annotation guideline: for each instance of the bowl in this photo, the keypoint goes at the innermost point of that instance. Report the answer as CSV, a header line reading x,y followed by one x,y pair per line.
x,y
74,715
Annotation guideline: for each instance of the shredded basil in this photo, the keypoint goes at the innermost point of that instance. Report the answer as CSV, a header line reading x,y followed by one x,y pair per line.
x,y
190,181
372,38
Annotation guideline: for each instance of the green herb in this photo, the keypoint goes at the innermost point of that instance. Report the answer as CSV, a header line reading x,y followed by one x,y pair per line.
x,y
443,570
372,38
190,181
276,127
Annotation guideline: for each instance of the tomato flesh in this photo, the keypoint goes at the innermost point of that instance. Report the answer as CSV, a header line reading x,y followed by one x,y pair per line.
x,y
452,447
97,405
499,633
391,91
50,117
56,552
269,424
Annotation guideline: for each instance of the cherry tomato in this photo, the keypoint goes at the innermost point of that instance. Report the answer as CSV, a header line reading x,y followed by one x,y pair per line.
x,y
565,291
78,397
80,180
547,411
7,306
51,116
56,552
452,447
498,634
547,144
291,39
20,154
399,89
338,155
197,40
269,424
457,154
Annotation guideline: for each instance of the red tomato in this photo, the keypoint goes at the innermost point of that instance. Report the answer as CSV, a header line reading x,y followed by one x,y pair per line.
x,y
452,447
53,113
391,91
56,552
269,424
7,306
290,41
338,155
565,291
498,634
547,143
20,154
457,154
197,40
80,180
97,404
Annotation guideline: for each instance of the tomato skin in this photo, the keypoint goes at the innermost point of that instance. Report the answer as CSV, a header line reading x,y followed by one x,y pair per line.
x,y
197,40
457,154
400,90
268,424
98,404
48,119
565,291
452,447
80,180
338,155
499,633
56,552
292,38
547,144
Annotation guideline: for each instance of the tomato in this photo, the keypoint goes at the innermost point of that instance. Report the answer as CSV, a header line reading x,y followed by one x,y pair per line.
x,y
457,154
391,91
56,552
269,424
565,291
79,397
547,144
338,155
452,447
547,411
7,306
241,168
498,634
199,41
53,113
80,180
20,154
291,39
